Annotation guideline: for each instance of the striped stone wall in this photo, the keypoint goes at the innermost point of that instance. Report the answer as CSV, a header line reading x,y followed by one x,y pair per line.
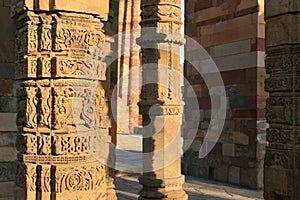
x,y
129,61
232,31
8,108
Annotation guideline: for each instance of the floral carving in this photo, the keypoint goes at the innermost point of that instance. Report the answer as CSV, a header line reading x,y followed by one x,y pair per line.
x,y
72,179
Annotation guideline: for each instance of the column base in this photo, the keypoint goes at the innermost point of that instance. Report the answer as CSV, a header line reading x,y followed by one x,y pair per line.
x,y
167,189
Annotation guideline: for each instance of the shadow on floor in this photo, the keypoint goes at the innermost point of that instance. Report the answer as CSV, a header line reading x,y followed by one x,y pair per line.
x,y
197,189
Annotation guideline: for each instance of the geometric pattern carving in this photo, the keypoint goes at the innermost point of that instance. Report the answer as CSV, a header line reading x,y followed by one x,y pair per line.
x,y
283,113
279,110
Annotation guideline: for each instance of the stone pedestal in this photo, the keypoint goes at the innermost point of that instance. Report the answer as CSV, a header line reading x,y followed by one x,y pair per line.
x,y
161,104
56,77
282,162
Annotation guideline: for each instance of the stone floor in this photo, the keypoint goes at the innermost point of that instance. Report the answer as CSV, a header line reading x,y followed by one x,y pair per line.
x,y
197,189
129,160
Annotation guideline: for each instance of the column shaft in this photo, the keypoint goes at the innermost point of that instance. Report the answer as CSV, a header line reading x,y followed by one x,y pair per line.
x,y
55,72
161,101
282,162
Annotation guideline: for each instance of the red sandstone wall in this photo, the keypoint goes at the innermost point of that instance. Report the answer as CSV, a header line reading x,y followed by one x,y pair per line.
x,y
129,18
232,31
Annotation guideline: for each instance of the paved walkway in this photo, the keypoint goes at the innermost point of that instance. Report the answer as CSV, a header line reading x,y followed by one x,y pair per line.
x,y
197,189
129,159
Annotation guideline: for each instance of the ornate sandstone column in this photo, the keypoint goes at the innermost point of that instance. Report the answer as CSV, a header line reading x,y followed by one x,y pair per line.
x,y
56,70
161,104
282,162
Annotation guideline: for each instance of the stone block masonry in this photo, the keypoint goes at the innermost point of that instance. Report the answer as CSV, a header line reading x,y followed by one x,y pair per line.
x,y
8,103
233,34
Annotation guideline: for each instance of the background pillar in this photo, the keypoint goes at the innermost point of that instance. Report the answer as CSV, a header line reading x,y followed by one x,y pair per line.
x,y
164,95
129,61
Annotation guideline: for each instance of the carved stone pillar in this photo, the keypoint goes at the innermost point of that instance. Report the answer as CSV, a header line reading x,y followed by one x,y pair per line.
x,y
55,71
282,162
161,103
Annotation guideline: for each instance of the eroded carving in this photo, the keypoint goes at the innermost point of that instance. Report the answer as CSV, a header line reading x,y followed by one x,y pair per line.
x,y
279,109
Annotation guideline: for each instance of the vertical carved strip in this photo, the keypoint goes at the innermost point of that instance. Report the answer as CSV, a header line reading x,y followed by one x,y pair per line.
x,y
282,163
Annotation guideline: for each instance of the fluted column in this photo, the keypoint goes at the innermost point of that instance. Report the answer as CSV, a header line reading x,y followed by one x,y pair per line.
x,y
62,91
282,161
161,103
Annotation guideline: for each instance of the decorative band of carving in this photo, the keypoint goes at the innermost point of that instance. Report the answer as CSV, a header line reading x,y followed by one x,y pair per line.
x,y
55,160
275,84
161,14
283,60
85,177
50,106
70,144
160,110
63,178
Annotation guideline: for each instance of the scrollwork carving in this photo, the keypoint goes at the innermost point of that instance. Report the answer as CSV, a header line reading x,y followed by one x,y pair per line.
x,y
279,84
62,107
44,107
67,37
80,178
68,145
44,145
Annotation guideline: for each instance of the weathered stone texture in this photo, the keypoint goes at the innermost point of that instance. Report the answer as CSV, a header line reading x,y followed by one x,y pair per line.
x,y
282,163
8,103
95,7
162,177
62,87
232,32
280,7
